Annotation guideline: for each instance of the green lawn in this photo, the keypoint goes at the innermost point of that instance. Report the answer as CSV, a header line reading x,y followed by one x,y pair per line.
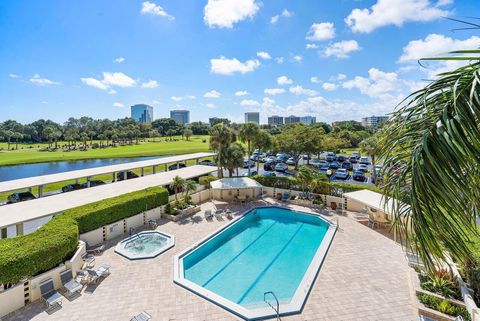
x,y
34,155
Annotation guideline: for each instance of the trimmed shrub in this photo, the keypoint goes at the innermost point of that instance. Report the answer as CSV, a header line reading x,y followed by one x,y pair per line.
x,y
56,241
443,306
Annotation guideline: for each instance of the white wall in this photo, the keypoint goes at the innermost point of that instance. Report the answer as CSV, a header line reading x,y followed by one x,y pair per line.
x,y
11,299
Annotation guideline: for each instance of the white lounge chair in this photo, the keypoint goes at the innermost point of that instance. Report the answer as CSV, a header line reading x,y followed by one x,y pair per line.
x,y
208,214
69,284
51,297
218,213
96,249
94,276
228,213
144,316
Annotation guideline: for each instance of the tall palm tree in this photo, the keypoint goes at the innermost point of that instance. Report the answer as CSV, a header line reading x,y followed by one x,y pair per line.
x,y
370,147
232,157
220,138
263,141
431,148
177,184
247,134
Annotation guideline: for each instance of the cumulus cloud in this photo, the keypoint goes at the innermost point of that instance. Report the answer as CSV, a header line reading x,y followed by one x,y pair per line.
x,y
118,104
225,66
249,103
297,58
274,91
328,86
37,80
150,84
341,49
92,82
311,46
285,14
394,12
241,93
154,9
378,84
315,80
264,55
321,31
210,105
110,79
226,13
284,80
180,98
119,60
212,94
338,77
299,90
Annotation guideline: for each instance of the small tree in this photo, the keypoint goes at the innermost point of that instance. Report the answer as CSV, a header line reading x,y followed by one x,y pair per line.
x,y
189,186
177,184
187,133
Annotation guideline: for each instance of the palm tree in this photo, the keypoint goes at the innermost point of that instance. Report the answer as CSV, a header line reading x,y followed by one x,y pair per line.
x,y
220,138
247,134
177,184
262,141
189,186
370,147
305,177
232,157
431,148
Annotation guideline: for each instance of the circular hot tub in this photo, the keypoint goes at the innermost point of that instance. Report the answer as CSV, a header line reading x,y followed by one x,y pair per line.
x,y
145,245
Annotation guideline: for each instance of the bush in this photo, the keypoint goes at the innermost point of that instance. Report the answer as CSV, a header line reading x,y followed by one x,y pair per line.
x,y
443,306
440,282
28,255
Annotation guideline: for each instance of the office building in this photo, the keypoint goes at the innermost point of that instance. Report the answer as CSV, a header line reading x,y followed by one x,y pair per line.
x,y
181,117
373,120
308,120
292,120
252,117
142,113
275,120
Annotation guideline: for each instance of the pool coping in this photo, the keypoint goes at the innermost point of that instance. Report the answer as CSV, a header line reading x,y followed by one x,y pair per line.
x,y
119,249
301,294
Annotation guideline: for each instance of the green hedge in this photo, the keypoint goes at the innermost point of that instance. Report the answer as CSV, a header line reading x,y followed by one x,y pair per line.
x,y
56,241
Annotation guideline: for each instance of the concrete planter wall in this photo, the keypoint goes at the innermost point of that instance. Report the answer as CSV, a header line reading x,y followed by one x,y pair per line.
x,y
182,214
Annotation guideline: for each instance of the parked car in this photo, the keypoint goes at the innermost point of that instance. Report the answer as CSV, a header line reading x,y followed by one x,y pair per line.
x,y
353,159
356,155
252,173
306,157
270,174
130,175
324,170
248,163
269,166
93,183
347,165
291,161
364,160
342,173
340,158
71,187
330,158
363,168
176,166
20,197
334,165
359,176
282,157
281,167
207,162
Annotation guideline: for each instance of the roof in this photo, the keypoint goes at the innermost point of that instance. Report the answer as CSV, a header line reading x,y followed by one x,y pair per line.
x,y
71,175
235,183
373,199
41,207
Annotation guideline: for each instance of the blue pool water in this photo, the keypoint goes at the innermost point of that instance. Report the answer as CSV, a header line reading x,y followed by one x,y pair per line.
x,y
270,249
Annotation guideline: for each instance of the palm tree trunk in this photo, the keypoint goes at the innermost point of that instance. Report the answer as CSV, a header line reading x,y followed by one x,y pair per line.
x,y
249,154
374,174
219,166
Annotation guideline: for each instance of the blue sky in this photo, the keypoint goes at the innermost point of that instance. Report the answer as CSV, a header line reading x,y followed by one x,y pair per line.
x,y
335,60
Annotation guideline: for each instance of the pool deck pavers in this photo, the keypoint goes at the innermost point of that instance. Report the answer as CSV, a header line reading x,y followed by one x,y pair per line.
x,y
364,277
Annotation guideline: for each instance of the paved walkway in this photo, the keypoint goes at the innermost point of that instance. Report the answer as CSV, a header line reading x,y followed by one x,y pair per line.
x,y
364,277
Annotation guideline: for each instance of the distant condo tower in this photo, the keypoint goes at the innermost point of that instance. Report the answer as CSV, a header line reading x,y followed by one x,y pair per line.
x,y
373,120
292,119
181,117
308,120
252,117
142,113
275,120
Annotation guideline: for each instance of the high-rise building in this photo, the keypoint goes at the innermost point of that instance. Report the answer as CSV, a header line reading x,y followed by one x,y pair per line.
x,y
308,120
181,117
142,113
373,120
292,120
252,117
275,120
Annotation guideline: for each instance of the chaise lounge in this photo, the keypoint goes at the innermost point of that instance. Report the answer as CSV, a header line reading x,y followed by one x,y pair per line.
x,y
70,286
94,276
51,297
144,316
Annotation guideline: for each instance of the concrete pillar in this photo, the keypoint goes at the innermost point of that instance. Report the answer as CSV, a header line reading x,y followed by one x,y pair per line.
x,y
142,172
76,181
88,181
40,191
124,175
154,169
196,161
19,227
178,164
166,167
3,233
114,177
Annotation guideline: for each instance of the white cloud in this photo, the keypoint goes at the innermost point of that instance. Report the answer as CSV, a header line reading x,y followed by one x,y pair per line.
x,y
180,98
92,82
249,102
321,31
225,13
379,84
117,104
297,58
395,12
284,80
299,90
37,80
13,76
311,46
338,77
241,93
154,9
264,55
274,91
119,60
210,105
328,86
212,94
279,60
341,49
268,102
112,92
118,79
285,14
150,84
225,66
315,80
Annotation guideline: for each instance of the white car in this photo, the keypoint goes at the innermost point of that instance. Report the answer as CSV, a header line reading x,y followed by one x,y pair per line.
x,y
341,173
291,161
281,167
364,160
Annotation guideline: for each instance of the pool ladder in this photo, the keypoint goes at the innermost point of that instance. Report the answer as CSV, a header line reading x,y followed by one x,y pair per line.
x,y
277,309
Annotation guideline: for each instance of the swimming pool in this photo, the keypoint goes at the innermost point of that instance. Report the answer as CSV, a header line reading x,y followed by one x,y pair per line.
x,y
145,245
268,249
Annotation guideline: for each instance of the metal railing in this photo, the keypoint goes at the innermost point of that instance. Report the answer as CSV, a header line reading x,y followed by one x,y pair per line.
x,y
277,309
